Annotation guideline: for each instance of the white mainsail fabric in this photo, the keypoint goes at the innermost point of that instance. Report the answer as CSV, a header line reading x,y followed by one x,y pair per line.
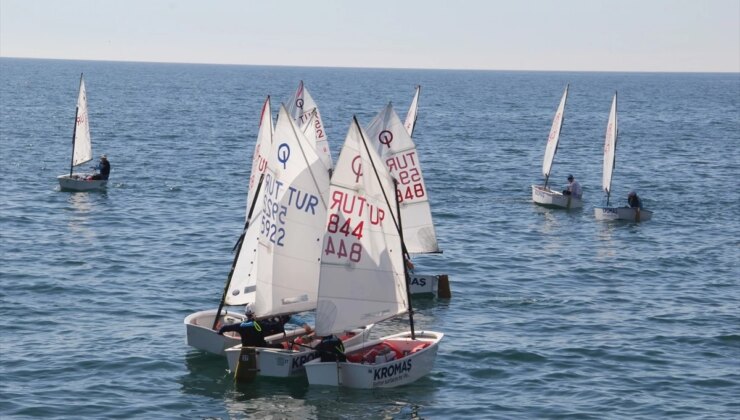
x,y
300,107
362,270
241,288
261,148
292,223
398,153
610,147
410,122
82,143
554,137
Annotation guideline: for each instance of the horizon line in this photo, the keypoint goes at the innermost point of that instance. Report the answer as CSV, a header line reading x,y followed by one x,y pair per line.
x,y
371,68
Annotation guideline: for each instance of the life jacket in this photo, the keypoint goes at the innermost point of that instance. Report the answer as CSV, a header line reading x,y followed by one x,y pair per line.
x,y
331,349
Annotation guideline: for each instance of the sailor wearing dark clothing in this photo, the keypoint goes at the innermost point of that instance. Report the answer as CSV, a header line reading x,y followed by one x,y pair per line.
x,y
250,331
633,200
103,167
331,349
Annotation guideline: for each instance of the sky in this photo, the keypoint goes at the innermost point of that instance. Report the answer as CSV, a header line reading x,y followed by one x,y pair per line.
x,y
568,35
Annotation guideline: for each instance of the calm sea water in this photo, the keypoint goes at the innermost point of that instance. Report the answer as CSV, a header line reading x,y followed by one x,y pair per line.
x,y
553,314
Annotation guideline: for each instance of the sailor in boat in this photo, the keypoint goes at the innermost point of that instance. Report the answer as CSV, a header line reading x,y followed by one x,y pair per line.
x,y
331,349
574,188
103,167
633,200
253,331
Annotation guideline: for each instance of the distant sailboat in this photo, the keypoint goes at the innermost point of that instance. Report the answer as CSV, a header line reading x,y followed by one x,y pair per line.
x,y
413,113
542,194
81,149
635,214
363,278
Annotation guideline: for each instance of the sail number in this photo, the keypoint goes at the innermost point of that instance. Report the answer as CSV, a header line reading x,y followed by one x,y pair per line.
x,y
273,218
405,167
340,248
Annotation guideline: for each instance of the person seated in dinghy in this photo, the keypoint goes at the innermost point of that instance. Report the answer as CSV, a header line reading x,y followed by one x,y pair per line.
x,y
253,331
633,200
331,349
103,167
574,188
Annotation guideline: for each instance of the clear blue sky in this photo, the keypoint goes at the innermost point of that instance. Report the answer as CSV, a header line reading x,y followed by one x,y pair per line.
x,y
588,35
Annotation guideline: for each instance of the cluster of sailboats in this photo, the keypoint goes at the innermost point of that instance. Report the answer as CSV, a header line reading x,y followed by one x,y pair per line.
x,y
545,196
333,239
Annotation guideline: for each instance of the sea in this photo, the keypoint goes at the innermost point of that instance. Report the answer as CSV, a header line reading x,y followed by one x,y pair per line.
x,y
553,314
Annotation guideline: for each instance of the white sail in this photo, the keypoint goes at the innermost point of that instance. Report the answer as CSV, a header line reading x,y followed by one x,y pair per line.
x,y
610,146
362,274
410,122
300,107
397,150
241,288
554,137
261,148
82,143
291,224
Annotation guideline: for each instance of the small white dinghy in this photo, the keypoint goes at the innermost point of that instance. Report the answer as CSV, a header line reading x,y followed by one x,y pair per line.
x,y
633,214
81,150
542,194
392,140
363,276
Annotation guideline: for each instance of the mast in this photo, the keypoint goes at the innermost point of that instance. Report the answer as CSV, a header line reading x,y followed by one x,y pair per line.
x,y
238,249
397,223
74,134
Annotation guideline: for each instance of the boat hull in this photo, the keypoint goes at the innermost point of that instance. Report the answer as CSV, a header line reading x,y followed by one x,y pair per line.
x,y
201,336
622,213
549,198
417,361
282,363
79,182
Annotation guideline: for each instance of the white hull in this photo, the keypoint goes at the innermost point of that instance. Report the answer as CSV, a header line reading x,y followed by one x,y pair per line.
x,y
622,213
282,363
547,197
415,363
423,284
79,182
201,336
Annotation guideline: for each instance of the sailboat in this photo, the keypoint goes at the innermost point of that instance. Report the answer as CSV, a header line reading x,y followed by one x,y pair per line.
x,y
391,139
81,149
363,278
288,251
542,194
306,115
635,214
